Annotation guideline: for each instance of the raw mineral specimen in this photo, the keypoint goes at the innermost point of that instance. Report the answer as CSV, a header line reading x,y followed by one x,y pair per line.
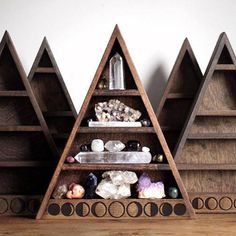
x,y
147,189
114,146
114,110
145,122
70,159
75,191
116,184
60,192
91,185
158,158
97,145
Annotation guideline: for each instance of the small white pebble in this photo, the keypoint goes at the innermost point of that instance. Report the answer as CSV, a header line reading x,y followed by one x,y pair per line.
x,y
145,149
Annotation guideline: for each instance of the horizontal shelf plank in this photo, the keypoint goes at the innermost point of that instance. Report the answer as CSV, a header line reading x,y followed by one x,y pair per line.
x,y
110,166
20,128
14,93
217,113
126,92
58,113
206,166
26,164
212,136
225,67
179,96
45,70
116,130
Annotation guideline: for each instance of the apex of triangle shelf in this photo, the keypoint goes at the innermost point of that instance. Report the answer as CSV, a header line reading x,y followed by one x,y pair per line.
x,y
122,208
205,147
25,143
52,95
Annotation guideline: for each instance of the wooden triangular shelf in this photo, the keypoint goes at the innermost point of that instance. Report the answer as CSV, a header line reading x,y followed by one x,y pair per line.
x,y
176,102
52,95
205,152
27,148
152,137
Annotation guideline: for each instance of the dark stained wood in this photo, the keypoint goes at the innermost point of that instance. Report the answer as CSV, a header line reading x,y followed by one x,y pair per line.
x,y
25,141
51,93
208,138
155,141
176,102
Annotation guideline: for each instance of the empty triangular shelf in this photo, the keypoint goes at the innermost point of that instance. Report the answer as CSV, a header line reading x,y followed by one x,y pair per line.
x,y
176,102
52,95
27,150
207,144
134,96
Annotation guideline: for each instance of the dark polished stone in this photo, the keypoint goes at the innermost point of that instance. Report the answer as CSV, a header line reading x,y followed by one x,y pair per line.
x,y
145,122
133,145
91,185
85,148
173,192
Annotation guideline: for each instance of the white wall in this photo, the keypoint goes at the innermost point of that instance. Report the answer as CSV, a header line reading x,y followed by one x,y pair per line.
x,y
154,30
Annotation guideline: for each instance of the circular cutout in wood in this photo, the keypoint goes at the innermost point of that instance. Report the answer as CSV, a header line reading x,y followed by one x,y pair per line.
x,y
82,209
211,203
166,209
99,209
33,205
225,203
197,203
3,205
67,209
179,209
17,205
151,209
53,209
116,209
134,209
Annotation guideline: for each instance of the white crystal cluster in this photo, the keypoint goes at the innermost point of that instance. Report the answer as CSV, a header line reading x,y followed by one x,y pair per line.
x,y
116,184
115,110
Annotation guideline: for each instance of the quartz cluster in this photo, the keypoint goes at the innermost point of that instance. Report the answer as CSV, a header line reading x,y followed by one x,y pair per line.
x,y
115,110
116,184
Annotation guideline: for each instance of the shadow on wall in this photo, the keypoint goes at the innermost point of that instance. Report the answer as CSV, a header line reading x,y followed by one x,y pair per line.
x,y
156,86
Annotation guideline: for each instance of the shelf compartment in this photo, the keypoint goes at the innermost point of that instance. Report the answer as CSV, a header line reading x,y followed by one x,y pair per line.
x,y
14,93
116,209
58,113
180,96
45,70
230,67
113,93
103,130
212,136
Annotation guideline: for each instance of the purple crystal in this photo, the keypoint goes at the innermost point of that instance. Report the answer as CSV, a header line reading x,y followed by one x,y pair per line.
x,y
70,159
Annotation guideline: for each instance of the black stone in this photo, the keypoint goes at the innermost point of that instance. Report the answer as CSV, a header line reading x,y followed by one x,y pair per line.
x,y
133,145
90,186
85,148
145,122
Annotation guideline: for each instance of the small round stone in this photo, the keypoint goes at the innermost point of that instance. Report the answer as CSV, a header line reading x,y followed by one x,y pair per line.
x,y
97,145
158,158
84,148
145,122
70,159
173,192
145,149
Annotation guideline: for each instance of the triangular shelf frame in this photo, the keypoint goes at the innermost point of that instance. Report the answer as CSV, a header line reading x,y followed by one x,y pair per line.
x,y
25,142
136,92
52,95
205,149
181,89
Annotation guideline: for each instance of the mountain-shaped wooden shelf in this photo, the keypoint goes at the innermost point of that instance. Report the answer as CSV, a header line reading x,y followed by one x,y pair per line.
x,y
176,102
134,96
52,95
26,148
207,145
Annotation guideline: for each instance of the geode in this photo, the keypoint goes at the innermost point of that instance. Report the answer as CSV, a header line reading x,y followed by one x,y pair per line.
x,y
115,110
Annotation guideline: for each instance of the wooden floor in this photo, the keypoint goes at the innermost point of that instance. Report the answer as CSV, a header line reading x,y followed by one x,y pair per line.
x,y
223,225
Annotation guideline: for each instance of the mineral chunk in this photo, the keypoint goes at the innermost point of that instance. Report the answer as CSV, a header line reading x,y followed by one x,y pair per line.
x,y
114,146
97,145
114,110
60,192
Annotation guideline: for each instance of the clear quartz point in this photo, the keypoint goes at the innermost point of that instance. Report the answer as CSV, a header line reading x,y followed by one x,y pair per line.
x,y
114,146
116,73
113,157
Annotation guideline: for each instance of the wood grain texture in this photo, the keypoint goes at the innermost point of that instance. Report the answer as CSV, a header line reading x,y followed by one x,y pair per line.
x,y
52,95
176,102
156,141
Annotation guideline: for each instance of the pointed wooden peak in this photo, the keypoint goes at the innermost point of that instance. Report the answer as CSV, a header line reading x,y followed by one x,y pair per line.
x,y
6,39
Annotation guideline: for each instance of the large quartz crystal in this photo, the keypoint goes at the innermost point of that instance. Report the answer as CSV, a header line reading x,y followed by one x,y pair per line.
x,y
114,110
60,192
116,184
113,157
114,146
